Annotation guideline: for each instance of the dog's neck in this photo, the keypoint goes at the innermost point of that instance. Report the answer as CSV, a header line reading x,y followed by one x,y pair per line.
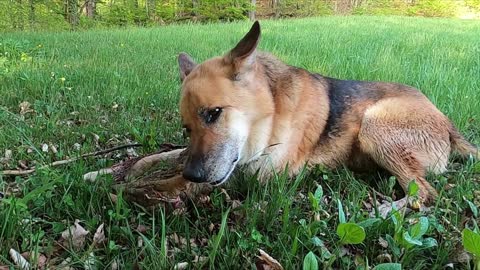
x,y
295,92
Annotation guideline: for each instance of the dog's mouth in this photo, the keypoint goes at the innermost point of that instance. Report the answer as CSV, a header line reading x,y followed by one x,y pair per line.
x,y
227,176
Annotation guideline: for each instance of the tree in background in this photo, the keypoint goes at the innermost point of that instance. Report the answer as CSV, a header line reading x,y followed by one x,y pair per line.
x,y
19,15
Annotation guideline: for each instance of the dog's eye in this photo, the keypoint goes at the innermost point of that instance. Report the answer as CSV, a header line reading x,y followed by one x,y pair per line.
x,y
212,115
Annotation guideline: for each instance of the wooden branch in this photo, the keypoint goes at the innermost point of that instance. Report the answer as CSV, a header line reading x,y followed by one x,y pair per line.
x,y
66,161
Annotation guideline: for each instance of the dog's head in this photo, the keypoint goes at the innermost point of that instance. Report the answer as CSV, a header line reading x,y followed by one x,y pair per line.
x,y
220,101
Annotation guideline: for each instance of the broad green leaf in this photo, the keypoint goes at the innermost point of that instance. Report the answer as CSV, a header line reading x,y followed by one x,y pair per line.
x,y
341,214
473,207
413,188
350,233
429,242
409,239
393,245
310,262
318,193
326,254
471,241
369,222
419,229
313,201
388,266
317,242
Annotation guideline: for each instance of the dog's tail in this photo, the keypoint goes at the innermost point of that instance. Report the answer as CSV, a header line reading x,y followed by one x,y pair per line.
x,y
461,145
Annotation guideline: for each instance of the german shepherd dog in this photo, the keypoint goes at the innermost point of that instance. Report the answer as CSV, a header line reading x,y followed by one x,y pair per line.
x,y
249,108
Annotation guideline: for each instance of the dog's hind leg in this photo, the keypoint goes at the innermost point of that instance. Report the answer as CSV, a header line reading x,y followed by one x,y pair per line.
x,y
408,139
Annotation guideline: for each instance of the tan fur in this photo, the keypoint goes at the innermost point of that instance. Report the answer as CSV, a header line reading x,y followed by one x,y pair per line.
x,y
276,115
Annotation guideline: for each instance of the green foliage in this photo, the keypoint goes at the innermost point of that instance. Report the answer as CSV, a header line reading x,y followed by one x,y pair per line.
x,y
388,266
350,233
310,262
33,15
471,241
425,8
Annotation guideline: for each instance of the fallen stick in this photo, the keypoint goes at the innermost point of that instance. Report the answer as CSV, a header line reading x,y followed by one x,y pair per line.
x,y
154,178
66,161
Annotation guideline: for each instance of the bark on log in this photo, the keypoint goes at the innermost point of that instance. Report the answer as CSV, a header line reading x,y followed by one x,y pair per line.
x,y
155,178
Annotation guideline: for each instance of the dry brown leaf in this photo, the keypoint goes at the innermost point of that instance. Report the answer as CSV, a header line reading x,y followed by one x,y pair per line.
x,y
181,266
384,258
383,242
142,228
25,107
113,197
39,260
267,262
99,237
4,267
65,265
74,235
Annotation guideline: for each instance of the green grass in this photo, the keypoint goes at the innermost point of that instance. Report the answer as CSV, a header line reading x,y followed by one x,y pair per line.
x,y
123,85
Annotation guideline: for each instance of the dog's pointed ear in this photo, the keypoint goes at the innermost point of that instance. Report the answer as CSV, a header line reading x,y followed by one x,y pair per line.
x,y
186,65
244,53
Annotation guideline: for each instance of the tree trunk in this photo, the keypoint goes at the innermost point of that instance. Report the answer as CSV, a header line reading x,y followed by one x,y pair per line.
x,y
71,12
31,14
275,8
251,13
91,8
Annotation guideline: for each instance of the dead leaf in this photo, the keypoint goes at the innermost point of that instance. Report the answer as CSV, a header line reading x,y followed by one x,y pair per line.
x,y
383,242
113,197
39,260
181,266
45,148
8,154
4,267
99,237
142,228
384,258
19,260
386,208
25,107
7,157
74,235
77,146
199,259
267,262
65,265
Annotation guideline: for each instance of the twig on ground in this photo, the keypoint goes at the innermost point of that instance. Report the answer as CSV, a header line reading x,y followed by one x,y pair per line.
x,y
66,161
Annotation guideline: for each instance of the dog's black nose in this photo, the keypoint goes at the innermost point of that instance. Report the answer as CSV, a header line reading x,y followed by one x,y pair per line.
x,y
194,172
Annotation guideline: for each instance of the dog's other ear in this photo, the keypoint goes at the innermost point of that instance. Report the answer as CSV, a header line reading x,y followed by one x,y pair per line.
x,y
243,55
186,64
